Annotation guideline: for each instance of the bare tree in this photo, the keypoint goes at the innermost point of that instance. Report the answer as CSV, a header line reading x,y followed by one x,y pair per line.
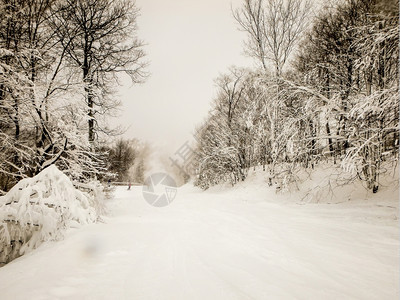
x,y
230,91
121,157
273,28
101,43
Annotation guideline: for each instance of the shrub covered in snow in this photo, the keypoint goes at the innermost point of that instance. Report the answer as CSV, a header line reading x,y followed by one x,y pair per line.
x,y
40,209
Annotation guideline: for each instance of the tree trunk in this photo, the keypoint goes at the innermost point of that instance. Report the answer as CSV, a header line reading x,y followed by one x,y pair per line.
x,y
328,132
88,81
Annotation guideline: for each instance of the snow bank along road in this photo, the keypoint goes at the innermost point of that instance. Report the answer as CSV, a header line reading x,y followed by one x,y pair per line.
x,y
237,244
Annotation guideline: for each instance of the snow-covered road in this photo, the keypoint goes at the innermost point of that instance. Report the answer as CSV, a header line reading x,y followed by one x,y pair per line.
x,y
216,245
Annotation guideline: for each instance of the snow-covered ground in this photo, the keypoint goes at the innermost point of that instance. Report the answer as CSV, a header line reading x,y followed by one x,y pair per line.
x,y
240,243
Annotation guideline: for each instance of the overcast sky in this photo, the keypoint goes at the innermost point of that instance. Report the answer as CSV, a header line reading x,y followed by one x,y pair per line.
x,y
189,42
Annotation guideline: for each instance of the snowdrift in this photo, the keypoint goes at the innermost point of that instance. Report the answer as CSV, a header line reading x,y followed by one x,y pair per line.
x,y
40,209
325,184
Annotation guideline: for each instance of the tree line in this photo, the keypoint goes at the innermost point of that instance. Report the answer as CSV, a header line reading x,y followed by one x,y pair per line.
x,y
326,90
59,63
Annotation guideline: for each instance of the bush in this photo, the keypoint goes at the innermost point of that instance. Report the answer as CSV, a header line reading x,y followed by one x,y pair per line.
x,y
40,209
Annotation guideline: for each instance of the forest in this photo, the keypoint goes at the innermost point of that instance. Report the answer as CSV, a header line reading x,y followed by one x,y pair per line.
x,y
325,91
60,64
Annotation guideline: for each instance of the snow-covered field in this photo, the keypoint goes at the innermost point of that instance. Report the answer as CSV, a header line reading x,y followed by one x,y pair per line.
x,y
239,243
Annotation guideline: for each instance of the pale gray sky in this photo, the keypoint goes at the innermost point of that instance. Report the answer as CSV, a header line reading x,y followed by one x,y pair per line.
x,y
189,42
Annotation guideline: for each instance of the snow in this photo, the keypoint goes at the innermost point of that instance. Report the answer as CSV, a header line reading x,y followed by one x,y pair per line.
x,y
244,242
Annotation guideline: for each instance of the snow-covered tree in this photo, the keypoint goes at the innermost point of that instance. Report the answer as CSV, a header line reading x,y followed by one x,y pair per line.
x,y
42,119
338,103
